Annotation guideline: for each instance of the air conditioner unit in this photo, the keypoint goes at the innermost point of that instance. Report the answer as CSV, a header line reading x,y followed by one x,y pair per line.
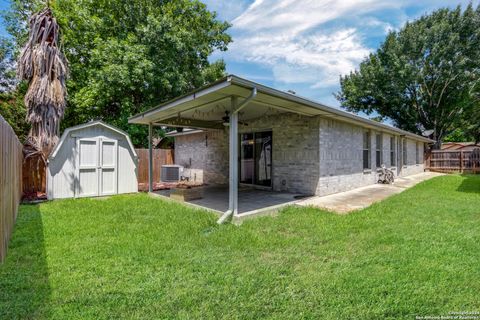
x,y
171,173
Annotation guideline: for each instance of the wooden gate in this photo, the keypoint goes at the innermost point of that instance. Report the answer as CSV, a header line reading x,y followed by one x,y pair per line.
x,y
34,177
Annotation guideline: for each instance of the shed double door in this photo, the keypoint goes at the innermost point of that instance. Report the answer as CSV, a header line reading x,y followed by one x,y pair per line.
x,y
96,167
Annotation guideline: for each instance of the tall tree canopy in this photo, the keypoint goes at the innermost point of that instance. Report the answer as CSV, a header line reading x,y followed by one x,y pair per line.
x,y
472,126
128,55
12,107
7,66
423,77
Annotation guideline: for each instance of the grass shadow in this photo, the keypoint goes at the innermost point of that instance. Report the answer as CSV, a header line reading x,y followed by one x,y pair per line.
x,y
24,282
470,184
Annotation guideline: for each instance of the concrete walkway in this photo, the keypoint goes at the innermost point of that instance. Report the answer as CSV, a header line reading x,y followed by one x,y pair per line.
x,y
360,198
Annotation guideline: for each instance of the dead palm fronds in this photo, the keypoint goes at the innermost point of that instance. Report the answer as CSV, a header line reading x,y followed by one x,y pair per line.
x,y
44,66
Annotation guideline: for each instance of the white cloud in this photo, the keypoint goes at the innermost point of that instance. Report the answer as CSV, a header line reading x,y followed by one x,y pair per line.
x,y
287,35
318,59
310,41
376,23
293,16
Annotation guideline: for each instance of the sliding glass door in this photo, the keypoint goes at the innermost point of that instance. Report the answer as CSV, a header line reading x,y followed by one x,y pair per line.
x,y
256,158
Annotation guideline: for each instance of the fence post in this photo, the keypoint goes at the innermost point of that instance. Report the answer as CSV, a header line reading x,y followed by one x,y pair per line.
x,y
427,155
461,161
150,158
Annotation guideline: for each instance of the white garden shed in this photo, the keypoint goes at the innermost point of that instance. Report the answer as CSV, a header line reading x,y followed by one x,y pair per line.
x,y
92,159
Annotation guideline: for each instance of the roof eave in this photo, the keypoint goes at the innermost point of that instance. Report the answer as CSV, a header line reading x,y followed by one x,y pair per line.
x,y
214,86
235,80
249,84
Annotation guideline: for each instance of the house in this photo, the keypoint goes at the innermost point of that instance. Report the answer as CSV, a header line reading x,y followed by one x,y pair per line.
x,y
244,133
92,159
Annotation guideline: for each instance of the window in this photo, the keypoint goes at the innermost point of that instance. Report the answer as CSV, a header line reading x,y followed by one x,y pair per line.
x,y
404,151
366,150
392,152
417,154
378,150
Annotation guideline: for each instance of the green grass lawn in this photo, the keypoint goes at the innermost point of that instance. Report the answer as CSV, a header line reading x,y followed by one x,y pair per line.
x,y
134,256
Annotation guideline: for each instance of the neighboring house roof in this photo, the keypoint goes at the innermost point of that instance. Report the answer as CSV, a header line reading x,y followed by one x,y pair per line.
x,y
459,145
86,125
231,85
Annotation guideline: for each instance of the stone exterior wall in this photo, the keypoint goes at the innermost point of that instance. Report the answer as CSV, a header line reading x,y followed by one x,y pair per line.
x,y
310,155
294,151
341,157
204,156
411,167
386,152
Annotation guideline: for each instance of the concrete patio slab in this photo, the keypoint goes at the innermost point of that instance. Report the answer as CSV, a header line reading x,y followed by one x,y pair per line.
x,y
250,201
360,198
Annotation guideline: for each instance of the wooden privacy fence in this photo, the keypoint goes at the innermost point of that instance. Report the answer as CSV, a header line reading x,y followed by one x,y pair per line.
x,y
453,161
11,158
160,157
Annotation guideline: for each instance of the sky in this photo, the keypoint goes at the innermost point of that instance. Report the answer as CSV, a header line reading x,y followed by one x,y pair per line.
x,y
4,4
305,45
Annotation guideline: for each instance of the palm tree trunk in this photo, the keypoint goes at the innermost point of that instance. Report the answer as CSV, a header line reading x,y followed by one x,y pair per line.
x,y
44,66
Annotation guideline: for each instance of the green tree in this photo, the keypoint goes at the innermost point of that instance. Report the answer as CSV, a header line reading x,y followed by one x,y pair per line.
x,y
12,109
423,77
468,129
472,130
458,135
7,70
128,55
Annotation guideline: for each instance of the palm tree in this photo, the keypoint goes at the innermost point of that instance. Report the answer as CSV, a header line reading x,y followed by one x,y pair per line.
x,y
44,66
